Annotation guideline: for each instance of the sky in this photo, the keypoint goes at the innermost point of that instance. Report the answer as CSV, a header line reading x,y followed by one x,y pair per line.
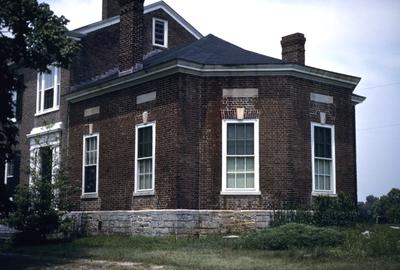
x,y
358,37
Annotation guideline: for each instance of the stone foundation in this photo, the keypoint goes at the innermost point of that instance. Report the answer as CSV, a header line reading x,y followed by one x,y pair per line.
x,y
170,222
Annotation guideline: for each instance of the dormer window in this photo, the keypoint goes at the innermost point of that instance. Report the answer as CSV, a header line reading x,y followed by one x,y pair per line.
x,y
48,91
160,33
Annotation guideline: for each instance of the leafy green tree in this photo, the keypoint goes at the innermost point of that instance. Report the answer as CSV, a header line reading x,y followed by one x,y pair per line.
x,y
366,211
31,37
388,207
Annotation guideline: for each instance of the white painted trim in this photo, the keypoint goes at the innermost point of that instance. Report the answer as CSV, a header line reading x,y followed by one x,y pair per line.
x,y
38,131
165,45
6,176
244,191
147,9
137,191
40,92
85,194
333,175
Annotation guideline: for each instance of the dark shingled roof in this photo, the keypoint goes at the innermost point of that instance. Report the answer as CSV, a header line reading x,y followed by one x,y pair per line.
x,y
211,50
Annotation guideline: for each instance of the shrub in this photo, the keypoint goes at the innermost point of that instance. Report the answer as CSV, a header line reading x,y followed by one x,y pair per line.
x,y
380,241
291,216
293,235
334,211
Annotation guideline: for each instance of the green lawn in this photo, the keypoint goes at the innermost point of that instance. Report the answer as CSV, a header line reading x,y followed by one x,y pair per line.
x,y
204,253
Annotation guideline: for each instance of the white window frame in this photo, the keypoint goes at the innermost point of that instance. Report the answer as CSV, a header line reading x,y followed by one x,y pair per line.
x,y
332,191
40,92
6,176
165,45
89,194
241,191
137,191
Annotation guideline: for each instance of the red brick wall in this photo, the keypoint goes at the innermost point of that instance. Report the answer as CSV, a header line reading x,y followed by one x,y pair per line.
x,y
188,112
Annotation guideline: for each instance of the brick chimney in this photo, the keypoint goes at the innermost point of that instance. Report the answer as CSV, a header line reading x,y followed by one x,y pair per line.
x,y
131,36
110,9
293,48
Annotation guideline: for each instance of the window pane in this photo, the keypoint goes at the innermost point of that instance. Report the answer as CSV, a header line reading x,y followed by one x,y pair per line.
x,y
230,180
327,167
240,131
145,142
240,180
250,131
249,164
231,164
90,179
48,98
240,164
142,181
231,147
49,78
327,183
322,142
240,148
148,181
231,131
249,147
250,180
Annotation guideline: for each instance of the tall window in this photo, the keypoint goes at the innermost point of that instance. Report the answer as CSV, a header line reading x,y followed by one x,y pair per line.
x,y
160,32
145,152
90,164
9,172
323,158
48,91
240,156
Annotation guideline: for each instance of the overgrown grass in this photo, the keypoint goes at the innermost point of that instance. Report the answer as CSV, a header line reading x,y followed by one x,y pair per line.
x,y
380,251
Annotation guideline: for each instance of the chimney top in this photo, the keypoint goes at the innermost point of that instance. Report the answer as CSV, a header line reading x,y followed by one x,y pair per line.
x,y
110,9
293,48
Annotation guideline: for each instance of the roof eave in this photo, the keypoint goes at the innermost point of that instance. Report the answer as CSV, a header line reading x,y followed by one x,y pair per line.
x,y
182,66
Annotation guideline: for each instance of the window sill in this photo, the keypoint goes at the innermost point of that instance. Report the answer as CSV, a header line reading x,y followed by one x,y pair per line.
x,y
143,193
324,193
90,196
160,46
240,193
47,111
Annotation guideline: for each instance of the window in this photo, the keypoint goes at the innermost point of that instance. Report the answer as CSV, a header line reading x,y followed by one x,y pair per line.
x,y
323,158
46,163
144,161
240,157
14,103
160,32
9,172
90,164
48,90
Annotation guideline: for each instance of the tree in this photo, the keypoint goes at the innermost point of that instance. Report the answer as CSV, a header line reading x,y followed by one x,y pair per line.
x,y
31,37
388,207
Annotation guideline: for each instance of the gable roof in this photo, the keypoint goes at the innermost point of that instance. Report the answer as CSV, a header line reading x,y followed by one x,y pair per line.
x,y
211,50
147,9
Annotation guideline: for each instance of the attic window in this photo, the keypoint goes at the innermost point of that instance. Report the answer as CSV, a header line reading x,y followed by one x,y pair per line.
x,y
160,33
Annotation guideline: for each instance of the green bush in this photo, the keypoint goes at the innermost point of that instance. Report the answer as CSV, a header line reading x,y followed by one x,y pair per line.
x,y
334,211
293,235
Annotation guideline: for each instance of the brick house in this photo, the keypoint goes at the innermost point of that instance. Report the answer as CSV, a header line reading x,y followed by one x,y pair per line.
x,y
152,115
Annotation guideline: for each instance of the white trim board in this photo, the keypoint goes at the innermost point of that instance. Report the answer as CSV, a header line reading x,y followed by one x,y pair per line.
x,y
147,9
51,128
